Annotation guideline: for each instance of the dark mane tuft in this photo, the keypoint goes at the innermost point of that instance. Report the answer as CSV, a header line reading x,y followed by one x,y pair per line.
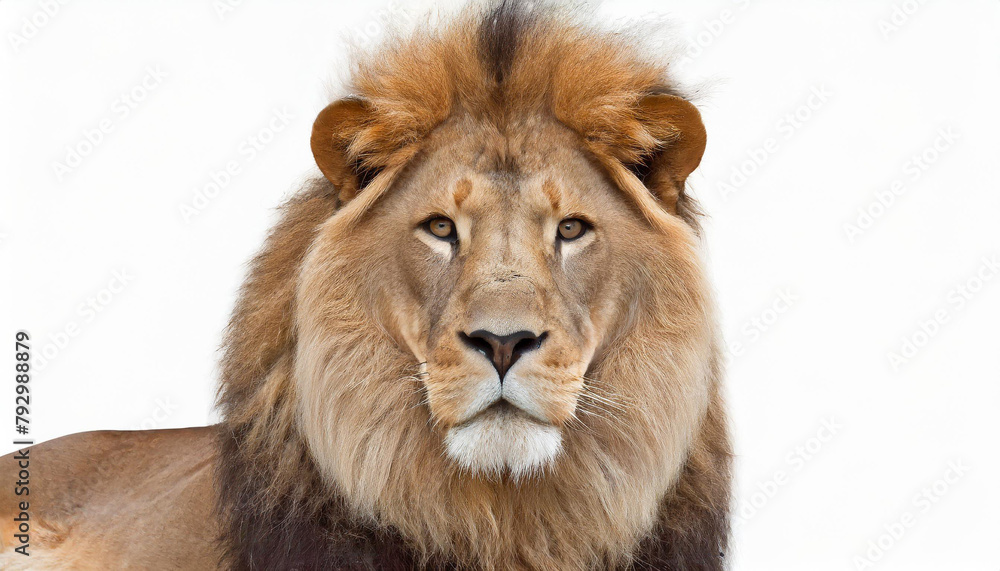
x,y
501,33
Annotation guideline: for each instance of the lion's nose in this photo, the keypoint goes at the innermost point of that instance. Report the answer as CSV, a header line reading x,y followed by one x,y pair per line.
x,y
502,350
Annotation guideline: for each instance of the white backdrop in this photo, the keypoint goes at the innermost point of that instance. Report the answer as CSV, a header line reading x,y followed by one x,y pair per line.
x,y
850,181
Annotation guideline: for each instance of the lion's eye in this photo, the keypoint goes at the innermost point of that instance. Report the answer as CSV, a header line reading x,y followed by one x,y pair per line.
x,y
572,228
442,228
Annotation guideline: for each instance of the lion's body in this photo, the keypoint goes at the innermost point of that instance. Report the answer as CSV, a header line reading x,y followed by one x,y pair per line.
x,y
114,500
535,386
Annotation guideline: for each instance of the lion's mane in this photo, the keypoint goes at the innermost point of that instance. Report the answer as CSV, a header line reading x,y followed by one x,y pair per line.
x,y
277,508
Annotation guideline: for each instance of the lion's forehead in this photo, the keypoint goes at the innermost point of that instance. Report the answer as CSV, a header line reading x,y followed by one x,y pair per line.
x,y
525,192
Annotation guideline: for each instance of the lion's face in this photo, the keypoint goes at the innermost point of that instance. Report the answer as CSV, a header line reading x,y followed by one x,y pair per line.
x,y
501,297
502,283
505,284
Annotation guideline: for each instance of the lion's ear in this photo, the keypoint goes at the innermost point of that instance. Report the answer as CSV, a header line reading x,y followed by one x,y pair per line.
x,y
335,131
677,123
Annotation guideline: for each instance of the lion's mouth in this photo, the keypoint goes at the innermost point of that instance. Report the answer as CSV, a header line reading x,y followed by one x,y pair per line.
x,y
503,406
503,410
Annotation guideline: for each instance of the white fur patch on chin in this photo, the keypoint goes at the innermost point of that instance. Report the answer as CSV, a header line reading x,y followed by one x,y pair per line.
x,y
500,440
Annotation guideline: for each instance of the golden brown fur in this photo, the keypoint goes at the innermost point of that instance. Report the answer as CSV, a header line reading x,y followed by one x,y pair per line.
x,y
346,378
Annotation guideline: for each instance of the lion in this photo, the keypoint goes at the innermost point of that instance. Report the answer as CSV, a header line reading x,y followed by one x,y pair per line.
x,y
483,339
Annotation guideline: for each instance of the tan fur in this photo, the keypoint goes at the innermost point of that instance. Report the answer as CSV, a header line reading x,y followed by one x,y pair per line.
x,y
115,500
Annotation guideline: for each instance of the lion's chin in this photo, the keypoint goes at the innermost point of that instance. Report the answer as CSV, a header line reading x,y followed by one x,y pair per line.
x,y
502,439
